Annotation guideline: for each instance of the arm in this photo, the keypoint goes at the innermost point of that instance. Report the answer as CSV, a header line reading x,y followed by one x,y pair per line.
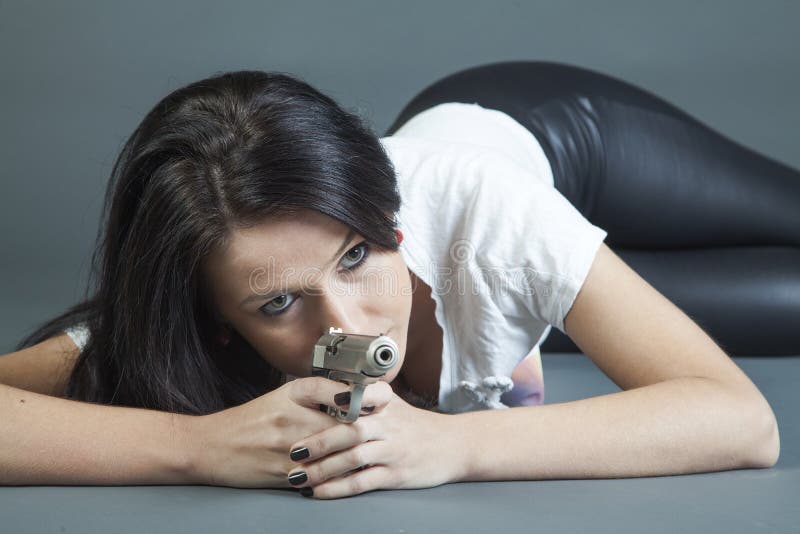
x,y
46,440
686,407
42,368
679,426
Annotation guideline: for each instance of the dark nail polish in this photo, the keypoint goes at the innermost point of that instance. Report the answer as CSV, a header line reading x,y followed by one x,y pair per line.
x,y
300,454
298,478
342,398
307,491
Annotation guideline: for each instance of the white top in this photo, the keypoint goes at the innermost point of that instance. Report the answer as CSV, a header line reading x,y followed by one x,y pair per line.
x,y
79,334
503,251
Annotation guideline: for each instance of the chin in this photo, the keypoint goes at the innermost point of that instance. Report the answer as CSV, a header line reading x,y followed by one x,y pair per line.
x,y
385,378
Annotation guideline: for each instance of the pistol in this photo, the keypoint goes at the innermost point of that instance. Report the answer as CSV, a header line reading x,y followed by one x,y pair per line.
x,y
353,359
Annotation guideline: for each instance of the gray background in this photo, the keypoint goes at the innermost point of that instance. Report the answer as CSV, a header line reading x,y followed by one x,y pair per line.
x,y
78,76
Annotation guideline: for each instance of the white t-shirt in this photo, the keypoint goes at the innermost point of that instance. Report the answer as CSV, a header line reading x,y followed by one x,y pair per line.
x,y
503,251
79,334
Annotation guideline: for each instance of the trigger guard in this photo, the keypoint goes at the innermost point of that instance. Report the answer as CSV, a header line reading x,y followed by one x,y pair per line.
x,y
349,416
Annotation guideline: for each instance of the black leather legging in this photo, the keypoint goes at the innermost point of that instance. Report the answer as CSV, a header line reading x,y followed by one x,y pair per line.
x,y
712,224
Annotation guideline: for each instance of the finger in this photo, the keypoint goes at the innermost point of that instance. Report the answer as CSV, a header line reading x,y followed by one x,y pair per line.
x,y
365,410
343,463
337,438
378,394
372,478
315,390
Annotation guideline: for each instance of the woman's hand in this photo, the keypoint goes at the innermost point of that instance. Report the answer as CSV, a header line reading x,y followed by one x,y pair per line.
x,y
248,446
400,447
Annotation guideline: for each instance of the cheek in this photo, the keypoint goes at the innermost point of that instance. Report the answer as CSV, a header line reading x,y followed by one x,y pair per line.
x,y
282,351
395,289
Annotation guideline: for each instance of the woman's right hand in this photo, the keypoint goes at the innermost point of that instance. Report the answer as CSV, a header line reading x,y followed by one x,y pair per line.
x,y
247,446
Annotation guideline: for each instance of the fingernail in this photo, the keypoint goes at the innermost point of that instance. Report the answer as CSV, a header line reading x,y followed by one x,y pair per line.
x,y
298,478
307,491
369,409
342,398
299,453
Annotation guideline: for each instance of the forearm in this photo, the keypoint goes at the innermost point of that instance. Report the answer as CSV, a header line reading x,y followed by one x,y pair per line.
x,y
48,440
681,426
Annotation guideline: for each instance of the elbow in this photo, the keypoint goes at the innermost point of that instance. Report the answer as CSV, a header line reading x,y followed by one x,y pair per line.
x,y
768,448
774,446
758,429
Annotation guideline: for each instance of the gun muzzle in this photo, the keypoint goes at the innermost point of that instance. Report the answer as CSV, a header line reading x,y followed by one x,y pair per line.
x,y
354,359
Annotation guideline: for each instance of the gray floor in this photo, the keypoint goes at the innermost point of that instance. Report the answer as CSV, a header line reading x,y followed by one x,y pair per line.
x,y
752,500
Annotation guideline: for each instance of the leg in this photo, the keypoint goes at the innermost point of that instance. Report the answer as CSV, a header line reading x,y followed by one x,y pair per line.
x,y
647,172
656,178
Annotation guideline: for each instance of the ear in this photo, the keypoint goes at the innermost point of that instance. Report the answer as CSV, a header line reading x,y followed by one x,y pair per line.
x,y
224,333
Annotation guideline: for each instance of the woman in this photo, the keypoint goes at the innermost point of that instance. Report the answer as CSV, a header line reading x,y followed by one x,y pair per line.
x,y
248,213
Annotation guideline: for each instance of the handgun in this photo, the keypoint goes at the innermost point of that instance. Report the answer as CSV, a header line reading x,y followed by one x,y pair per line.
x,y
353,359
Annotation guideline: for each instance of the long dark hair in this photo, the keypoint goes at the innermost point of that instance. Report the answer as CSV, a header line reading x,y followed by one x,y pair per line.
x,y
218,154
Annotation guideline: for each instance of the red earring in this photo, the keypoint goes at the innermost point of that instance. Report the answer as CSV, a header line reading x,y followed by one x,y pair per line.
x,y
224,337
399,236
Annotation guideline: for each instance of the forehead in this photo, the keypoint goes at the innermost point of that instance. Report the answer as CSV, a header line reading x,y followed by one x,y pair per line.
x,y
305,239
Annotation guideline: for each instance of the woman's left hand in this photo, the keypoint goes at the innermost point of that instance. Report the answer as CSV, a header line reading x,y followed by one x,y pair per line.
x,y
400,447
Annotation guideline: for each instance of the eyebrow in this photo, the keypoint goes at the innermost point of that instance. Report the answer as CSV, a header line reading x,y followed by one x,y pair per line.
x,y
347,239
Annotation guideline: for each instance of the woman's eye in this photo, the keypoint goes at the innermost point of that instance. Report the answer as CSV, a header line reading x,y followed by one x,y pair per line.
x,y
357,255
278,305
353,258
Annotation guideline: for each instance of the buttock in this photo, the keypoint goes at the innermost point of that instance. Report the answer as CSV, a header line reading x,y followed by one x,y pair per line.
x,y
565,108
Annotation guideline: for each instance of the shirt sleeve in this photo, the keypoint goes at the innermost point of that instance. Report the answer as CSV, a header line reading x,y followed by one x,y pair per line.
x,y
528,240
79,334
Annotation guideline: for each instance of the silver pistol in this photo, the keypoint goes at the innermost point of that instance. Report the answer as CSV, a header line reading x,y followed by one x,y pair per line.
x,y
353,359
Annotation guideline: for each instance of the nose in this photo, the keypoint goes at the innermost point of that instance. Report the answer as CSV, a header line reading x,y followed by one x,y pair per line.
x,y
342,311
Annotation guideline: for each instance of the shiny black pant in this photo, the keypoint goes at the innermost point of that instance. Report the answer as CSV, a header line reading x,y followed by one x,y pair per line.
x,y
712,224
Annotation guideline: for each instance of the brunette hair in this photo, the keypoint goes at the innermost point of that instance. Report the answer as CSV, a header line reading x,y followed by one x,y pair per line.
x,y
219,154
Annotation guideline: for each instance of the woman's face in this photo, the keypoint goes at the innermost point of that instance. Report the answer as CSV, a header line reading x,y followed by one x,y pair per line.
x,y
283,283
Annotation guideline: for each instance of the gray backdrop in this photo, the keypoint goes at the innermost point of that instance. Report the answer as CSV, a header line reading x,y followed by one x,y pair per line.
x,y
78,76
